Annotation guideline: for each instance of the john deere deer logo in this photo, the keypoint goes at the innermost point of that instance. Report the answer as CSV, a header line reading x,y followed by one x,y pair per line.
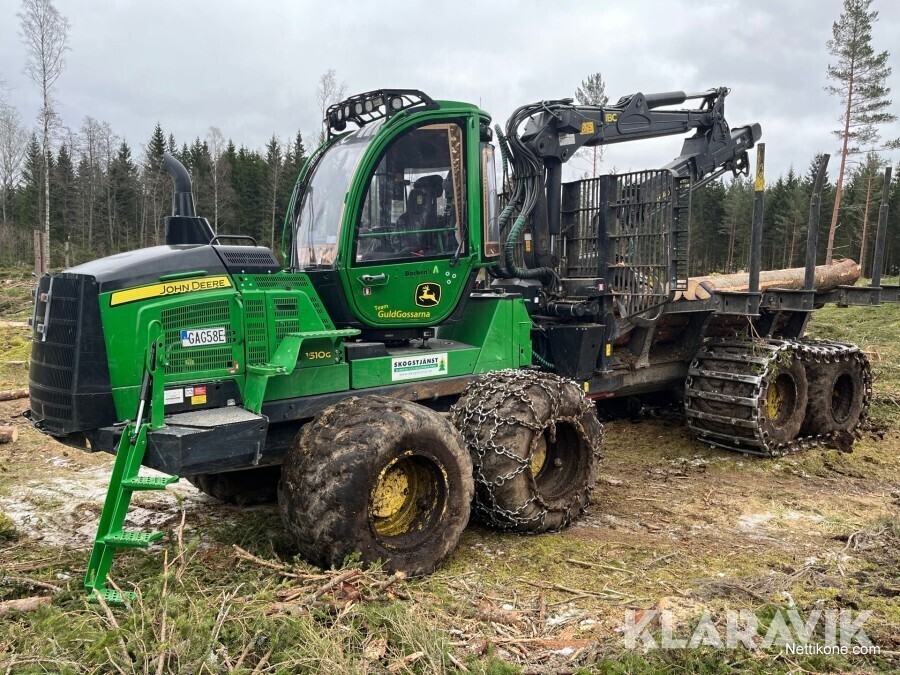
x,y
428,295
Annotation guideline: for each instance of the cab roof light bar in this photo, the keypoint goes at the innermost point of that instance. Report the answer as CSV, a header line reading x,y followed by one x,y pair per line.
x,y
365,108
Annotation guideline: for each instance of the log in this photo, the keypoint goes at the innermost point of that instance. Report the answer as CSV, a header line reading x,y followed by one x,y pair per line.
x,y
827,278
13,394
24,604
9,434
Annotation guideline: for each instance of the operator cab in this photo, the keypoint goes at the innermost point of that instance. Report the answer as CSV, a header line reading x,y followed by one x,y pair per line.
x,y
380,218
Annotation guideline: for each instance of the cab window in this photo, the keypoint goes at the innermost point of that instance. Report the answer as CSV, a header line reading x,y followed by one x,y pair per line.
x,y
491,225
415,204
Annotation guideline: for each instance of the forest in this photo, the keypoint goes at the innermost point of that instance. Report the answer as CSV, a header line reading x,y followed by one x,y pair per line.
x,y
93,194
105,199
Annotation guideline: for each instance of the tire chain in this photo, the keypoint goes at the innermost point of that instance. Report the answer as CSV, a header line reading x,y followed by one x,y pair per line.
x,y
474,413
808,350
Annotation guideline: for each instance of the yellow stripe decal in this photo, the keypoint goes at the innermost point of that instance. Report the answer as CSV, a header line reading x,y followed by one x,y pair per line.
x,y
169,288
760,167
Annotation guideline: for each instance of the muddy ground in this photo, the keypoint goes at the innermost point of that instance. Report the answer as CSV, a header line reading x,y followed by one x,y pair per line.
x,y
674,525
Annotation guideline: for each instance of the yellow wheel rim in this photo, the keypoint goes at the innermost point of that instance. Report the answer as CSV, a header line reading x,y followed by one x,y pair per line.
x,y
773,400
398,496
539,456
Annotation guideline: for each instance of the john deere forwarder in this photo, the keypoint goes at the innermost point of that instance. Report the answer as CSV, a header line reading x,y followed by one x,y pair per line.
x,y
408,290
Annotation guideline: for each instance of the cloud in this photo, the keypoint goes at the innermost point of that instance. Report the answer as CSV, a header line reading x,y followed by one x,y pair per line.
x,y
252,69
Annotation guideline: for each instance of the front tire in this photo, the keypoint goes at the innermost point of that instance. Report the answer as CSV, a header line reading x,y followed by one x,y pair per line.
x,y
381,477
535,444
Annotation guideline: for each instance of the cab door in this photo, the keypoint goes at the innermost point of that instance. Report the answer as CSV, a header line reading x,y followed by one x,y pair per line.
x,y
409,260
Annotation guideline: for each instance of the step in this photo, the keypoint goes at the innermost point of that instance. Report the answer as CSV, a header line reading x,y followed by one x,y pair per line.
x,y
314,334
112,597
131,538
148,482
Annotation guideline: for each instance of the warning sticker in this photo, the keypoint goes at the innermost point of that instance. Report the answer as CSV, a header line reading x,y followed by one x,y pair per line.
x,y
173,396
567,139
415,366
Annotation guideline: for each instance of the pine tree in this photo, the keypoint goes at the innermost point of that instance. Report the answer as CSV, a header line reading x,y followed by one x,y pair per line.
x,y
866,184
861,83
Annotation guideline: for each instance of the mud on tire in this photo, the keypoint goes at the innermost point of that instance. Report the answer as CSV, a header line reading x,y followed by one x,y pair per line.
x,y
839,394
535,445
244,488
383,477
748,396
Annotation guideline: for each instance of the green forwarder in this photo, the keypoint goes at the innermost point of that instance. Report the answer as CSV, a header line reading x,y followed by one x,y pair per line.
x,y
407,290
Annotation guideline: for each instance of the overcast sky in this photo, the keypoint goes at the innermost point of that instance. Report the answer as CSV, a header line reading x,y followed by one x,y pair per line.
x,y
252,68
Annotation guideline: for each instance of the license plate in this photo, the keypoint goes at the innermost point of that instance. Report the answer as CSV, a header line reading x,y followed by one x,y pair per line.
x,y
203,336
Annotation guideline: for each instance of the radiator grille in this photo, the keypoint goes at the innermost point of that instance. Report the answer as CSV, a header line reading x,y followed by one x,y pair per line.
x,y
257,336
212,314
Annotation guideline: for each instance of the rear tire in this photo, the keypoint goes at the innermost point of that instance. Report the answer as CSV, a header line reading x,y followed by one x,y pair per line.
x,y
784,398
535,444
243,488
837,396
383,477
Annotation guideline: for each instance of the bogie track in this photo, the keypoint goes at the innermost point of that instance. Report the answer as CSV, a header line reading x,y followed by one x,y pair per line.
x,y
771,397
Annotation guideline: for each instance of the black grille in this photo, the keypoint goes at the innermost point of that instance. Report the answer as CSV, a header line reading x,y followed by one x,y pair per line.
x,y
248,259
69,375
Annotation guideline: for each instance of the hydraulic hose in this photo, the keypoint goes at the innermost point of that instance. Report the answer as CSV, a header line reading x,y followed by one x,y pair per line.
x,y
504,148
541,361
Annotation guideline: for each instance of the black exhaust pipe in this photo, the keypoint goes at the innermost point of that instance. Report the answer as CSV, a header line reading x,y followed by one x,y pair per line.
x,y
184,198
183,226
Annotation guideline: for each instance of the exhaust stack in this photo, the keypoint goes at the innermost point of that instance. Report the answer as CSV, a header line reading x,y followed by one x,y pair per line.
x,y
184,198
183,226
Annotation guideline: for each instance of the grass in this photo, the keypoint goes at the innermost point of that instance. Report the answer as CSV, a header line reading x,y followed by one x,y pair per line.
x,y
673,524
15,295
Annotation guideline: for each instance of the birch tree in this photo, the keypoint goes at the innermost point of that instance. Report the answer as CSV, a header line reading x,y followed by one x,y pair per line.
x,y
592,91
45,33
328,92
216,143
13,142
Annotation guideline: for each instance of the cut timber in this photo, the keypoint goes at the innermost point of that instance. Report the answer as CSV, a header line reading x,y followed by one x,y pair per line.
x,y
9,434
24,604
827,278
13,394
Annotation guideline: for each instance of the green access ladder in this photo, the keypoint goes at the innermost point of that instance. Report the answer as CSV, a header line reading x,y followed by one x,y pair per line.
x,y
125,481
